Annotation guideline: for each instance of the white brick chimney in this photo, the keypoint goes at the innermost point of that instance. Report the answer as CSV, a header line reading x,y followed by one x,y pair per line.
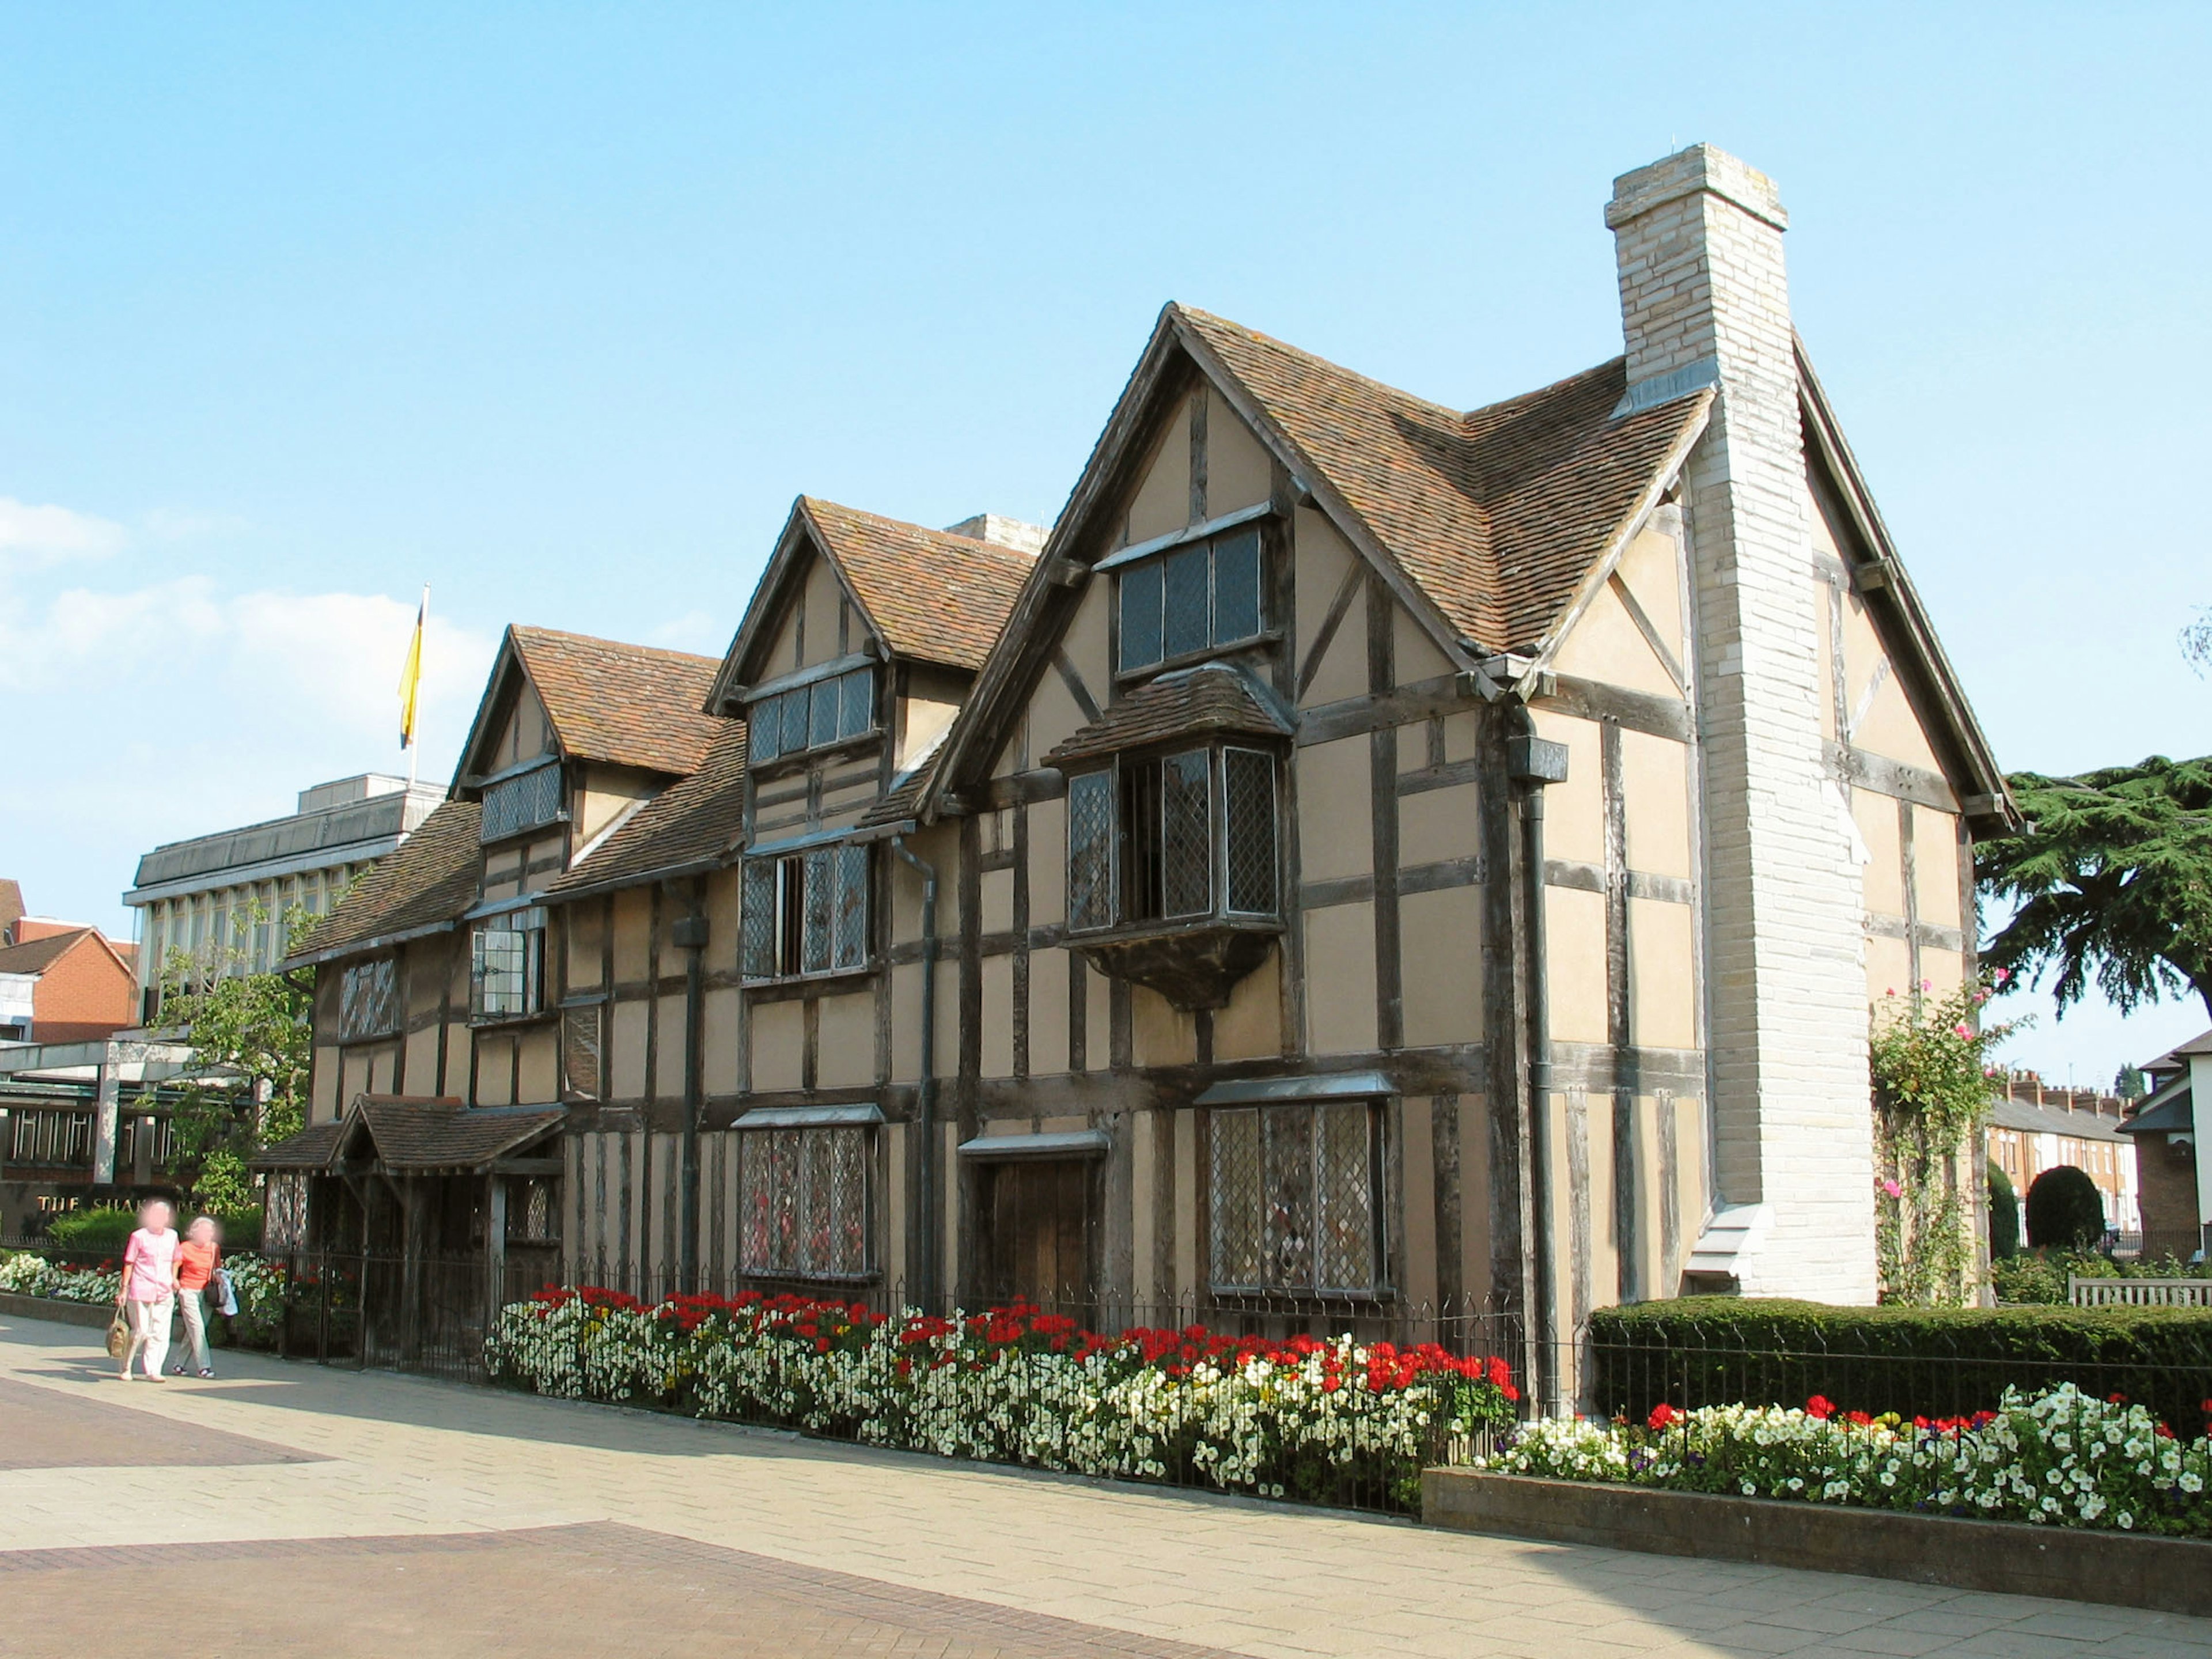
x,y
1705,302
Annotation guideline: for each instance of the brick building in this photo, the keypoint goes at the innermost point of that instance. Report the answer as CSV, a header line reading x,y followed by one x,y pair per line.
x,y
2177,1181
60,981
2038,1127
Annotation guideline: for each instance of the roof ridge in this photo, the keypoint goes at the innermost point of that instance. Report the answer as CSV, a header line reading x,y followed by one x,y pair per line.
x,y
1330,363
1012,555
1618,359
534,630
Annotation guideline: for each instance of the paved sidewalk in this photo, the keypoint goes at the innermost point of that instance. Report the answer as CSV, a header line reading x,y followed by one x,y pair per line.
x,y
436,1520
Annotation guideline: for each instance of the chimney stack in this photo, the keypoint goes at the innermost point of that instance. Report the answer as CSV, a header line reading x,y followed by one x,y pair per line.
x,y
1705,302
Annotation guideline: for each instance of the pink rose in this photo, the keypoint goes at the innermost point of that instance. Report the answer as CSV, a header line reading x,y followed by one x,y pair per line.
x,y
1961,1030
1893,1189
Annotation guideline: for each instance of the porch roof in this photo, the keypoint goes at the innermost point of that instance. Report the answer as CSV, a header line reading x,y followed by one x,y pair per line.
x,y
416,1135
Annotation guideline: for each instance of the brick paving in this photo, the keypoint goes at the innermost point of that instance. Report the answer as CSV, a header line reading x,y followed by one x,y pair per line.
x,y
441,1520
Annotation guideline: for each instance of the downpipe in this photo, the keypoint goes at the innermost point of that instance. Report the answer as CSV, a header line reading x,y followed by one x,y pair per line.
x,y
689,935
1535,764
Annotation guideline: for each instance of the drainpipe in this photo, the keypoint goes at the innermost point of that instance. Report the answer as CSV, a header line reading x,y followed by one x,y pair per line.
x,y
1534,764
689,935
925,1104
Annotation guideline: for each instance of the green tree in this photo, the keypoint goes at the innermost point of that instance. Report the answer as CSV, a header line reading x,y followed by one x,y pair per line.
x,y
2064,1209
2004,1214
254,1035
2112,881
2127,1082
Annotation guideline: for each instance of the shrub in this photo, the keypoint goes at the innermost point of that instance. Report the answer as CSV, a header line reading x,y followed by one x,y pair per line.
x,y
1928,1362
2041,1276
2004,1214
2064,1208
104,1231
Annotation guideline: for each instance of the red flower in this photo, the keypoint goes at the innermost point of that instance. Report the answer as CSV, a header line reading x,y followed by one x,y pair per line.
x,y
1821,1407
1664,1416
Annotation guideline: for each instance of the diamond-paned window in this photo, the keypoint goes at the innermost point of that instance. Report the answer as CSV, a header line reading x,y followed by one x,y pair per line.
x,y
580,1049
1186,834
803,1202
1296,1198
811,716
1199,597
1091,850
368,1001
806,913
1249,791
1156,838
526,801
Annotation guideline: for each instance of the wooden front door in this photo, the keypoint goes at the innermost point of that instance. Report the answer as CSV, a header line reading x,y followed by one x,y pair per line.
x,y
1038,1227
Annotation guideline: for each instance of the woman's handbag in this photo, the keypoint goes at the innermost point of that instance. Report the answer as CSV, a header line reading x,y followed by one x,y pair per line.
x,y
221,1295
118,1334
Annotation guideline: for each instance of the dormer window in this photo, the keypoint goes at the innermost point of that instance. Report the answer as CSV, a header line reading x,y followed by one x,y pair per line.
x,y
1199,597
526,798
825,711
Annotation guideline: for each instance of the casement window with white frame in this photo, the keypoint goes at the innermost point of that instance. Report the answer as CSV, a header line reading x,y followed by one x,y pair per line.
x,y
807,911
1190,834
1296,1198
507,966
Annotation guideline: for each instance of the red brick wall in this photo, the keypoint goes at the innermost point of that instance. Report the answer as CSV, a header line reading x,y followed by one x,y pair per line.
x,y
84,993
2167,1183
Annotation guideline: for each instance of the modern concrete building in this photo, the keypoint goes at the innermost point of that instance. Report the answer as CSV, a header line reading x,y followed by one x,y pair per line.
x,y
197,896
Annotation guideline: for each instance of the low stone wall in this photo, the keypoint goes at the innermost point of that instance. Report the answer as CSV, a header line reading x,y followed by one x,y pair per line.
x,y
2168,1575
95,1314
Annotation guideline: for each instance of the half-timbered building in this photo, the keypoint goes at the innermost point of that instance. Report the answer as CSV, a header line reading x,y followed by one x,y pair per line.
x,y
1372,853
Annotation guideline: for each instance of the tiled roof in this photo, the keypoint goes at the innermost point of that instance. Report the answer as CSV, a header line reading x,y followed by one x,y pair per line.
x,y
933,596
36,956
628,705
905,796
430,878
1212,697
1497,513
699,817
414,1132
2031,1119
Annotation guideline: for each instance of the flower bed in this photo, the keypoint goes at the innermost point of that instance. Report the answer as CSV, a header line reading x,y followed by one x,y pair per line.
x,y
259,1286
1322,1421
2059,1457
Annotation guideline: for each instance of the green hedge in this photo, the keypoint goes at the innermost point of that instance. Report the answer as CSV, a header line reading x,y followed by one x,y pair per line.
x,y
1928,1362
105,1230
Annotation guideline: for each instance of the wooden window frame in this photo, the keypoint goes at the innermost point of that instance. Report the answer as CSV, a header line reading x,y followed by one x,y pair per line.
x,y
848,947
1131,863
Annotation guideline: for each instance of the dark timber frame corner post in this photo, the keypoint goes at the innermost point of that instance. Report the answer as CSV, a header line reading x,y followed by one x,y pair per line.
x,y
925,1094
1534,764
689,936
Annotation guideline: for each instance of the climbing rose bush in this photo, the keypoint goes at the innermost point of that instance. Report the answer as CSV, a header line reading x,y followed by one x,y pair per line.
x,y
1306,1418
2059,1457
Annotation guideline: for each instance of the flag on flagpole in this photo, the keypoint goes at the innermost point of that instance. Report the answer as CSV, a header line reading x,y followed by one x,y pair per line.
x,y
410,677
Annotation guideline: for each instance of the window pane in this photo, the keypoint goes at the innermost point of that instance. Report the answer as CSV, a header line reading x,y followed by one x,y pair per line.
x,y
764,730
1139,847
795,710
1287,1175
848,1200
823,726
814,952
579,1051
1237,1231
1186,835
1344,1191
500,972
856,714
1237,586
758,906
815,1187
852,909
1091,850
1140,615
1186,628
1251,791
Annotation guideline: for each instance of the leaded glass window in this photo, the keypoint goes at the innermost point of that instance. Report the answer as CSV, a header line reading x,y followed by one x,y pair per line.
x,y
811,716
1186,835
1296,1198
284,1212
1248,791
527,801
1192,599
806,913
580,1050
1091,850
803,1203
368,1001
507,965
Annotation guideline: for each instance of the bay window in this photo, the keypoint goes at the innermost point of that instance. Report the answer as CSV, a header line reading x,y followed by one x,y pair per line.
x,y
1297,1198
803,1202
1162,838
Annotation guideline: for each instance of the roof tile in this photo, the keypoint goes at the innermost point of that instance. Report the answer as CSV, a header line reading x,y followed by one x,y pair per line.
x,y
933,596
628,705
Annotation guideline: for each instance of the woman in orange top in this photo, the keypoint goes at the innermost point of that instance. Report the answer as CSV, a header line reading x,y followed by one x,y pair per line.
x,y
197,1258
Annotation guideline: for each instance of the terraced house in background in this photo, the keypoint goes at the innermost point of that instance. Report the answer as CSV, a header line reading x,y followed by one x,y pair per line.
x,y
1369,854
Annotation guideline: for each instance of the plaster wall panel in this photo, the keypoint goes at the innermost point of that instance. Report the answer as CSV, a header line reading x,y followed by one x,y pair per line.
x,y
1889,968
823,593
1656,789
725,920
1935,860
1340,955
540,1083
1054,714
1884,871
1476,1220
423,1061
998,1014
719,1015
626,1050
1416,1143
1574,942
1662,1003
1944,970
1144,1197
495,1072
1651,569
1413,649
893,1189
1336,835
779,1045
633,934
846,1049
1323,559
1162,502
1085,640
668,1056
1441,940
582,926
1047,862
924,720
998,901
1437,824
1098,1019
1239,471
1605,645
906,1019
1462,736
1251,1026
1047,1012
1187,1220
1160,1034
1574,811
1824,610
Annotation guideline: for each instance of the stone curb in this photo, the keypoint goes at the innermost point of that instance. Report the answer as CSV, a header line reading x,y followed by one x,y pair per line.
x,y
2165,1575
94,1314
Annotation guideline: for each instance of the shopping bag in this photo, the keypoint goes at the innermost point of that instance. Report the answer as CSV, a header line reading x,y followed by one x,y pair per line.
x,y
221,1295
118,1334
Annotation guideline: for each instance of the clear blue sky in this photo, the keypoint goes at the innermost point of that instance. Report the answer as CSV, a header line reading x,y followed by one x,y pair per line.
x,y
557,308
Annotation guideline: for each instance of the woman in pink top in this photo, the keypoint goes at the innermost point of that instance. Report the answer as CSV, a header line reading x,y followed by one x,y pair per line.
x,y
149,1287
